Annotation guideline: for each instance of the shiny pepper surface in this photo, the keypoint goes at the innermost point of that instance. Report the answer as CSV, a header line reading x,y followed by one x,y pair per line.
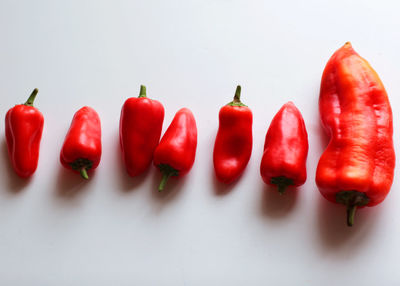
x,y
234,141
24,127
175,154
140,130
357,167
81,150
285,150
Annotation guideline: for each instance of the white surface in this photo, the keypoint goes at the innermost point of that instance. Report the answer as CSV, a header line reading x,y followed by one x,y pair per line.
x,y
115,230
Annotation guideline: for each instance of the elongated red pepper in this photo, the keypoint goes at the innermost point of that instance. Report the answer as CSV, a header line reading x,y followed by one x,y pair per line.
x,y
81,150
24,127
175,154
232,148
357,167
140,130
285,150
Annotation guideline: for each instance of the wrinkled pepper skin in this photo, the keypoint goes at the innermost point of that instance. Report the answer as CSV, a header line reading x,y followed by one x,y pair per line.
x,y
357,167
81,150
175,154
24,127
283,163
234,141
140,131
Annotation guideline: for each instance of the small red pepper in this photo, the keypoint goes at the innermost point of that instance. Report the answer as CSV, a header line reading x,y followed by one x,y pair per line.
x,y
140,130
285,150
175,154
81,150
357,167
234,141
24,127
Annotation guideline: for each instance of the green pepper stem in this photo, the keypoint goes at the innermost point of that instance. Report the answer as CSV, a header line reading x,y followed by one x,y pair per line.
x,y
236,98
352,199
142,92
351,211
164,180
32,97
282,183
83,173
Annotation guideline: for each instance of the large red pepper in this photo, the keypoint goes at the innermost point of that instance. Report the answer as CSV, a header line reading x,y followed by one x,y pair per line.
x,y
24,127
81,150
175,154
232,148
140,130
285,150
357,167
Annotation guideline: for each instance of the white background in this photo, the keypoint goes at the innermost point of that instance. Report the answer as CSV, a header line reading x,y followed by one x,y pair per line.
x,y
56,229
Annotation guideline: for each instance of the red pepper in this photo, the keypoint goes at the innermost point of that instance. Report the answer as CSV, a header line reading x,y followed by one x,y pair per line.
x,y
175,154
24,127
357,167
285,150
81,150
140,130
232,149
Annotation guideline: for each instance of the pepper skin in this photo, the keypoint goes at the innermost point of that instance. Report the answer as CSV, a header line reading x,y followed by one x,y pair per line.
x,y
175,154
285,150
81,150
357,167
24,127
140,130
234,141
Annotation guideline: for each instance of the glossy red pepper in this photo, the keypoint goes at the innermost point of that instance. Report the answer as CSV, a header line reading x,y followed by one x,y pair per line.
x,y
357,167
24,127
285,150
175,154
234,141
140,130
81,150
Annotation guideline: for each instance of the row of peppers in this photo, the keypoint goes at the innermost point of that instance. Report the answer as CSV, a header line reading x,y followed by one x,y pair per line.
x,y
356,169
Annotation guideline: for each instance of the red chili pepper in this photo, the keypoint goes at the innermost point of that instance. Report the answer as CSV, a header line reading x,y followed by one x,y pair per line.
x,y
24,127
285,150
357,167
81,150
175,154
140,130
232,149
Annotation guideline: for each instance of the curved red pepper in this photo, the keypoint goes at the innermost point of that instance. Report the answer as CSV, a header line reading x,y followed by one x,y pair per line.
x,y
140,130
175,154
234,141
81,150
24,127
357,167
285,150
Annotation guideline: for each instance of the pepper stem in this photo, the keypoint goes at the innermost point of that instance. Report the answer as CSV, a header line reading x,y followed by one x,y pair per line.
x,y
142,92
164,181
236,98
32,97
282,183
352,200
351,211
83,173
166,171
282,188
